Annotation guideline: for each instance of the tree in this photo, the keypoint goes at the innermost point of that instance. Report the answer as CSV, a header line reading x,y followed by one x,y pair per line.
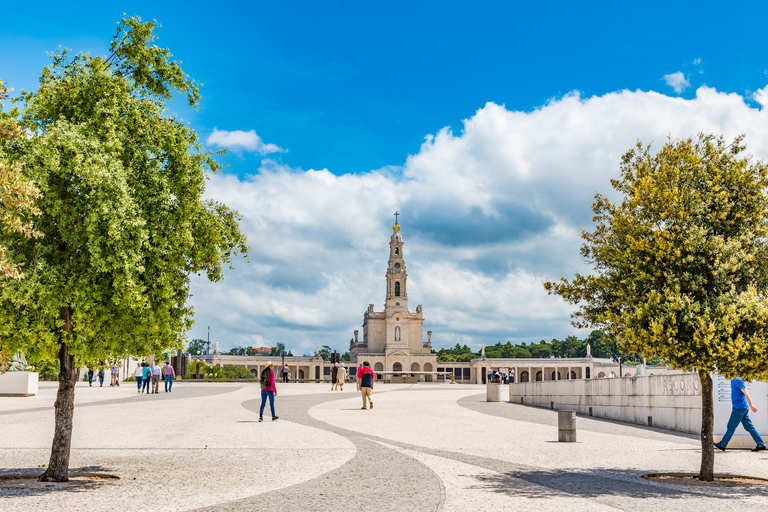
x,y
345,356
239,351
540,350
17,194
325,352
197,345
122,215
681,264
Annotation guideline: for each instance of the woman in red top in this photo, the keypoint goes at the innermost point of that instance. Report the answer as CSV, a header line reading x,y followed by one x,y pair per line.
x,y
268,390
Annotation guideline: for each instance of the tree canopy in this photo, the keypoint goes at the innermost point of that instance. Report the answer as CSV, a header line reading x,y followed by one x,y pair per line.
x,y
17,194
681,263
123,222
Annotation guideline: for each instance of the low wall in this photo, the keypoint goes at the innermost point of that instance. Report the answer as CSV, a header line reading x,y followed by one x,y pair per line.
x,y
666,401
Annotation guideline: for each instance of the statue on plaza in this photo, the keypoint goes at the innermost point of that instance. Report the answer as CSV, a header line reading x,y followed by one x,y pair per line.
x,y
589,350
216,347
482,351
317,350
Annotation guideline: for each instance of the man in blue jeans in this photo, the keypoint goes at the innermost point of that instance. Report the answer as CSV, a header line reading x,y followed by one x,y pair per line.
x,y
741,403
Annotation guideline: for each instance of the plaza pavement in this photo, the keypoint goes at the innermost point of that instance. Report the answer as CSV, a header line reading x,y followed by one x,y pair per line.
x,y
424,447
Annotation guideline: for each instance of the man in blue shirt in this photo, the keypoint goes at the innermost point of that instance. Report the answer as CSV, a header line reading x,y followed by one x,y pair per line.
x,y
741,403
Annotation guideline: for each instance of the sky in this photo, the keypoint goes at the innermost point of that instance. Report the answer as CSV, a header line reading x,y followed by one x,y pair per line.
x,y
489,126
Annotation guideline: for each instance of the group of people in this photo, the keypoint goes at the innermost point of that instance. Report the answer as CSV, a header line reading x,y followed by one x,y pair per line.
x,y
100,370
365,379
338,376
146,375
497,377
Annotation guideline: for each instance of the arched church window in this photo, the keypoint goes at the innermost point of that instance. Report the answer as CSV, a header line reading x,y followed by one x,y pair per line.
x,y
397,250
397,333
397,289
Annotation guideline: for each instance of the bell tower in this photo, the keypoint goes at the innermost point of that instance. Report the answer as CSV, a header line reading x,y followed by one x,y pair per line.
x,y
397,277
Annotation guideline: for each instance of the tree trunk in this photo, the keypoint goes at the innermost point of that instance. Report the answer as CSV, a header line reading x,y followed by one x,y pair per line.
x,y
707,470
58,466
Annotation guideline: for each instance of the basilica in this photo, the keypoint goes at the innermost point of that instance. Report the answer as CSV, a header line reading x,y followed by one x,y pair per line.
x,y
393,339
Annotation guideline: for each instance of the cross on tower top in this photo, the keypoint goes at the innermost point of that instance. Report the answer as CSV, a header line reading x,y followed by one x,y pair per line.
x,y
396,214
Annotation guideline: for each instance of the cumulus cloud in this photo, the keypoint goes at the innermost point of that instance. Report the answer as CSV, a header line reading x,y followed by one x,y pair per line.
x,y
677,81
761,96
241,140
487,213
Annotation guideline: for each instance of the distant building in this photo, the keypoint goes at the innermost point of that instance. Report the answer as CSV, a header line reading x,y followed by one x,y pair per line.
x,y
261,350
393,339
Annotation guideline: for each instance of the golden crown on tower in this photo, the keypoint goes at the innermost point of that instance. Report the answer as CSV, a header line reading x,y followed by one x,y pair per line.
x,y
396,227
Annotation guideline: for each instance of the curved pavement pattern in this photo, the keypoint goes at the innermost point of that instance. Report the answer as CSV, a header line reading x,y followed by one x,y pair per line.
x,y
423,448
408,485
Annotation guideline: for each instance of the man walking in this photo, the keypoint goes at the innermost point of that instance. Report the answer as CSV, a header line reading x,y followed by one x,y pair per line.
x,y
285,371
365,383
156,371
741,403
169,374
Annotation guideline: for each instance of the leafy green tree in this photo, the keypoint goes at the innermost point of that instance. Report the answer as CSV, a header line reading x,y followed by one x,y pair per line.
x,y
541,349
17,194
239,351
233,371
521,352
466,357
196,346
681,264
325,352
122,216
345,356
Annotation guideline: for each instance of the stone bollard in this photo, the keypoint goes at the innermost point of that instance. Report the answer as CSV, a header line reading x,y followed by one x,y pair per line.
x,y
566,426
493,392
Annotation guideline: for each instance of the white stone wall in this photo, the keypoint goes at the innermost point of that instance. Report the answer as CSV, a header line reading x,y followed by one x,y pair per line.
x,y
672,401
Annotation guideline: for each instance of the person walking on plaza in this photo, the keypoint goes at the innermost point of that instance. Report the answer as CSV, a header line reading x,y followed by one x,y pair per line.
x,y
101,376
146,373
169,373
90,376
156,371
115,373
741,403
341,377
268,391
138,373
365,383
334,376
285,371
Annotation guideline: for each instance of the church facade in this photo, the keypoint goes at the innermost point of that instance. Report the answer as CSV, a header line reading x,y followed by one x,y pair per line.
x,y
393,339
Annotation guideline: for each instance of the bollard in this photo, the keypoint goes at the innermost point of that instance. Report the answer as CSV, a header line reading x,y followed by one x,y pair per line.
x,y
493,392
566,426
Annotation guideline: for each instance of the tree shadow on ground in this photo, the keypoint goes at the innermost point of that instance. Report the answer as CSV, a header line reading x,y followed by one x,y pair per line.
x,y
23,481
595,484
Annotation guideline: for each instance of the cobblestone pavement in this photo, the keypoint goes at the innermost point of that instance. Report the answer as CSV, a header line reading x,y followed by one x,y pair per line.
x,y
423,447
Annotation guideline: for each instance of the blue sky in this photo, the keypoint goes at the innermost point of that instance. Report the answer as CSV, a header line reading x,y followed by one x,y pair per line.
x,y
488,124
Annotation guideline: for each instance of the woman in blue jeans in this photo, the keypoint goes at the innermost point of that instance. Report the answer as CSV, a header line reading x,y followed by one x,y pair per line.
x,y
268,391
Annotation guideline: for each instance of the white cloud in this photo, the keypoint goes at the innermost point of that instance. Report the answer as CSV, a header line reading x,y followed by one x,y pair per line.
x,y
677,81
239,139
761,96
697,61
487,213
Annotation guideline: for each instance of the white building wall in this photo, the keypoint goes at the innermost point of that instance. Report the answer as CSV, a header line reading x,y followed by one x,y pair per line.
x,y
670,401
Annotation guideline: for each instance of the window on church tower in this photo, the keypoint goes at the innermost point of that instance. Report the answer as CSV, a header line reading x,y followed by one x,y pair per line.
x,y
397,289
397,250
